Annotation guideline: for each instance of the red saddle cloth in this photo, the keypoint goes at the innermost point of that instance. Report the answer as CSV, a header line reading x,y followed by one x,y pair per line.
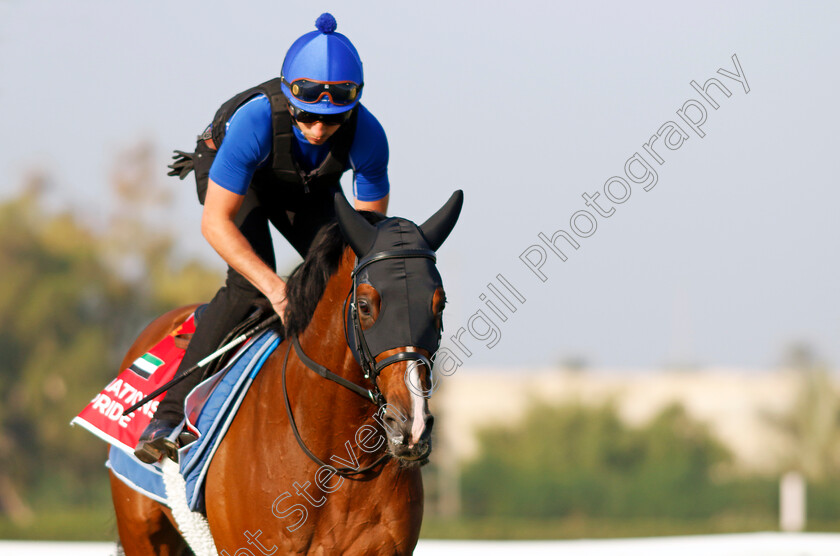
x,y
104,417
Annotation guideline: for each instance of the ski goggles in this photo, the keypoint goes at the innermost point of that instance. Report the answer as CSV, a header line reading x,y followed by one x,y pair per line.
x,y
305,117
309,91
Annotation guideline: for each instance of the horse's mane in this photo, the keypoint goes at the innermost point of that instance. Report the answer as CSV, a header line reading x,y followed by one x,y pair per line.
x,y
308,281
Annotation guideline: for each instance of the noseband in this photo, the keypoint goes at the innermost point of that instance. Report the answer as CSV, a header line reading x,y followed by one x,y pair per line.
x,y
368,362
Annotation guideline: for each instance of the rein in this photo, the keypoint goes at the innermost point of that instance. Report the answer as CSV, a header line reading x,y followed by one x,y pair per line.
x,y
371,367
369,395
343,471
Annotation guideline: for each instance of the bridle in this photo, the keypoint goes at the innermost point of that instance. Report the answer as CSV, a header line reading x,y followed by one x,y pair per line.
x,y
367,360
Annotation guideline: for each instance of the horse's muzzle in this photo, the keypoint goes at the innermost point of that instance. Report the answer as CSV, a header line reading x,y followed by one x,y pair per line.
x,y
401,446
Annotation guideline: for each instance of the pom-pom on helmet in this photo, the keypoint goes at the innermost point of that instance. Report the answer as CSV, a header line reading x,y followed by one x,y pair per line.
x,y
322,72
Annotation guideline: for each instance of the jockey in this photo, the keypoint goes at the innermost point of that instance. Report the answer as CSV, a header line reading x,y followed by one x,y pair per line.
x,y
275,153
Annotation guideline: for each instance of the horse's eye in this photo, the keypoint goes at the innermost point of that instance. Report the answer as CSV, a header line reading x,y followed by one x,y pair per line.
x,y
439,304
364,308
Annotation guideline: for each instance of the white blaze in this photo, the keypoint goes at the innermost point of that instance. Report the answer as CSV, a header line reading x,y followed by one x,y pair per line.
x,y
418,404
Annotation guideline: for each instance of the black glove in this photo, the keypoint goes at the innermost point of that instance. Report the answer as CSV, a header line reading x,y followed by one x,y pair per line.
x,y
182,166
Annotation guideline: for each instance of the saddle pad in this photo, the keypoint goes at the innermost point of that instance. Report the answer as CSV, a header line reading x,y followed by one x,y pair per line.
x,y
103,415
210,409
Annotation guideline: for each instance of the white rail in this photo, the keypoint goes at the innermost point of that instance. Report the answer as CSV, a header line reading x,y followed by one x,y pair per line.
x,y
751,544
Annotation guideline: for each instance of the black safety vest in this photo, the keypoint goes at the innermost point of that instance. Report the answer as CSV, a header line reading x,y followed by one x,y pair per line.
x,y
284,168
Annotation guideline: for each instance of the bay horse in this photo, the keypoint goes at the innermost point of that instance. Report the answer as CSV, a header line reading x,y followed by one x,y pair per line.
x,y
318,476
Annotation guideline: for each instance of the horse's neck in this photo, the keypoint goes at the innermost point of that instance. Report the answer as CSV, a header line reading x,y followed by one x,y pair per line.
x,y
324,339
324,342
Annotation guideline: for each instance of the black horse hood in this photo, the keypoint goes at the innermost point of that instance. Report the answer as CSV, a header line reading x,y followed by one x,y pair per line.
x,y
396,257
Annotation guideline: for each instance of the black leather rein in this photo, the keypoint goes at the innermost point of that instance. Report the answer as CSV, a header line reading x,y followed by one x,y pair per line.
x,y
326,373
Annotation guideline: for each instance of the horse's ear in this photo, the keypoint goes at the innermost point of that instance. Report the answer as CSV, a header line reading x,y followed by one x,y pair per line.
x,y
358,232
436,229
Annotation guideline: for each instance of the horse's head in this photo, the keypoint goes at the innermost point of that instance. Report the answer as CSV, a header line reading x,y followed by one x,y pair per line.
x,y
394,320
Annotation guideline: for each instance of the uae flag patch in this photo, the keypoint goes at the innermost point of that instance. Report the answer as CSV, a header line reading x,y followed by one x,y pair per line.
x,y
146,365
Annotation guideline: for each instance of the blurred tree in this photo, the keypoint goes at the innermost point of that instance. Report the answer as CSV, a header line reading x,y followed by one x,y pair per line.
x,y
59,306
138,244
70,309
576,460
812,424
574,363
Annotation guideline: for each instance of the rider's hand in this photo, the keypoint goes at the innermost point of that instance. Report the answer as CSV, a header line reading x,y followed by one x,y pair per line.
x,y
183,164
277,297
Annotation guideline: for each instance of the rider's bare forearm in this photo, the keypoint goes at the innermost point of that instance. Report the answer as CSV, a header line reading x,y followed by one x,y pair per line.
x,y
217,226
232,246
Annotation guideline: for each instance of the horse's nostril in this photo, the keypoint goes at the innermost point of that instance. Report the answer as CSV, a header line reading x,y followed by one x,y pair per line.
x,y
427,431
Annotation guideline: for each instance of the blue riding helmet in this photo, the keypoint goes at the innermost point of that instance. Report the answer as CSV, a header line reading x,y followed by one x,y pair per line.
x,y
323,59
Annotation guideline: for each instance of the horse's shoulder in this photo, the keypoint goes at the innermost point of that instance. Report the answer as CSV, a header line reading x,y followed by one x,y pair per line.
x,y
156,330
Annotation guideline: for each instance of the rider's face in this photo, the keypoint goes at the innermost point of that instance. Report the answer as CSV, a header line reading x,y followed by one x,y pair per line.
x,y
317,132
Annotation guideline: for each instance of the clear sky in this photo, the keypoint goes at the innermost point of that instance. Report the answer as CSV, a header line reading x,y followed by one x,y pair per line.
x,y
525,106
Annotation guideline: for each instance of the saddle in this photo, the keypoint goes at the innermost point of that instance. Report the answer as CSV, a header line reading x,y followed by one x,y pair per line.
x,y
262,309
